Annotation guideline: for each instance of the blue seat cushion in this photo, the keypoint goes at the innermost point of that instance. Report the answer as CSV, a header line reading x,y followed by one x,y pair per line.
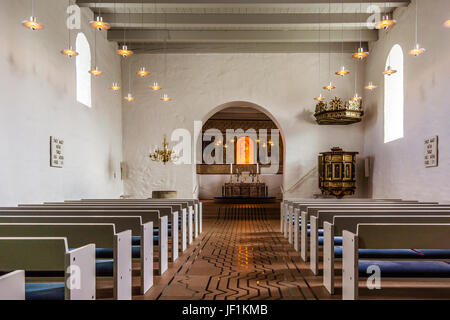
x,y
398,253
104,268
108,253
135,240
407,269
337,241
44,291
320,232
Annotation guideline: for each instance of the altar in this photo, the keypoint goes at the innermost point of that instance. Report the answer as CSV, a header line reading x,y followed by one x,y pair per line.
x,y
242,189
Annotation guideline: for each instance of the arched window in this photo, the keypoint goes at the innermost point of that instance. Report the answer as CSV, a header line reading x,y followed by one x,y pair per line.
x,y
245,151
83,65
394,96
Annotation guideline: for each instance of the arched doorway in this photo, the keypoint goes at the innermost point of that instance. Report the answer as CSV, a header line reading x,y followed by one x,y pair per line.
x,y
251,151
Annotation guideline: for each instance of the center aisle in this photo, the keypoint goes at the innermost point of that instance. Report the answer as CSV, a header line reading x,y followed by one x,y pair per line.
x,y
240,256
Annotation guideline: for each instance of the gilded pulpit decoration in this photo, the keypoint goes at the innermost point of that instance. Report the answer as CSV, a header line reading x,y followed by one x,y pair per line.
x,y
337,172
339,112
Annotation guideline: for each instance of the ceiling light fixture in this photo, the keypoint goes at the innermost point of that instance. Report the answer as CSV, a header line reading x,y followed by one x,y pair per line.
x,y
115,86
98,23
417,50
165,97
447,24
360,54
124,51
320,97
142,72
155,86
330,86
129,96
32,23
389,71
95,71
69,52
371,86
386,22
342,71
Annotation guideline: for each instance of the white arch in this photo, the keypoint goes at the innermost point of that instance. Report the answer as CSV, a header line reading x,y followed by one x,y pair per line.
x,y
83,65
394,96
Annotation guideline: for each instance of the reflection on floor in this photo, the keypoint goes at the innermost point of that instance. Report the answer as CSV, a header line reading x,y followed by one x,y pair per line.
x,y
242,256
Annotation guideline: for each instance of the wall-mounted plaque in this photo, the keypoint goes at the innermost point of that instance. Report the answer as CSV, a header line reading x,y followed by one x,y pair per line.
x,y
431,152
56,152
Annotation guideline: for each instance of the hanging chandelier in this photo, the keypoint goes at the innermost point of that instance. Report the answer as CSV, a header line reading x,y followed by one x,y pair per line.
x,y
32,23
370,86
142,72
163,155
165,97
417,50
320,97
155,86
115,86
389,71
356,97
330,86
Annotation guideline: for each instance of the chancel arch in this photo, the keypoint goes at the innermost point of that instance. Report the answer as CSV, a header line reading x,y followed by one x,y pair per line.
x,y
249,136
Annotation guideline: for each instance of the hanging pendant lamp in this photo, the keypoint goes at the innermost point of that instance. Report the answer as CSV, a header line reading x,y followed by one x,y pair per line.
x,y
447,24
98,23
95,71
319,98
417,50
124,51
115,86
155,86
385,23
70,52
370,86
389,71
330,86
32,23
360,54
142,72
129,97
342,71
165,97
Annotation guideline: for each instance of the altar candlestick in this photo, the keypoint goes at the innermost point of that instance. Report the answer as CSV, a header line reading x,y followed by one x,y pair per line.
x,y
231,169
257,168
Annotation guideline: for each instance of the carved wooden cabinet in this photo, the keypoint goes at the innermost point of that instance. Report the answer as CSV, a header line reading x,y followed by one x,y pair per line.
x,y
337,172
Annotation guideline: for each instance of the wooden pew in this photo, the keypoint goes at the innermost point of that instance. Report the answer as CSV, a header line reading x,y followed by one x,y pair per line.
x,y
287,207
386,236
294,209
170,210
49,254
12,285
79,234
194,211
186,214
147,216
122,223
317,217
336,224
308,210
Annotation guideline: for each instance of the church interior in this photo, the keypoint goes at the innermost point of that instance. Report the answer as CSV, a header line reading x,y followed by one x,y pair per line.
x,y
225,150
